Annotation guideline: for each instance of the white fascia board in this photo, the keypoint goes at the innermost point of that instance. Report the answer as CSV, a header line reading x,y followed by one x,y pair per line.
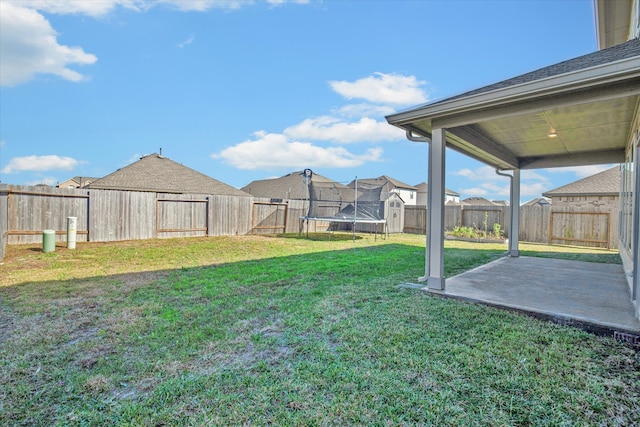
x,y
624,69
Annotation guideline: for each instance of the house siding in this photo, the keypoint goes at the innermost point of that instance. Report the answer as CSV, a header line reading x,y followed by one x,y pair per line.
x,y
629,209
408,196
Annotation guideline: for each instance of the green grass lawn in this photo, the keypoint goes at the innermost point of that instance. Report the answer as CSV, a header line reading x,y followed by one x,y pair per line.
x,y
289,331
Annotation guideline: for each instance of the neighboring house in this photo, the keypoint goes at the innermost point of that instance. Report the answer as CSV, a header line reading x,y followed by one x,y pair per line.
x,y
292,186
596,198
156,173
538,201
478,201
76,182
422,189
582,111
408,193
596,190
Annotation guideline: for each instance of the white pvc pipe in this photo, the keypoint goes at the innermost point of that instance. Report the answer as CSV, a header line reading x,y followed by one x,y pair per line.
x,y
72,225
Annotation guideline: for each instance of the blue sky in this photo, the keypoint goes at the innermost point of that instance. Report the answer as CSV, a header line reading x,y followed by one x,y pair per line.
x,y
246,90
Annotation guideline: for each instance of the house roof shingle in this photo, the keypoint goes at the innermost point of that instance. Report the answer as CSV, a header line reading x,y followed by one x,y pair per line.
x,y
478,201
502,124
161,174
80,181
381,180
290,186
423,187
605,183
540,201
628,49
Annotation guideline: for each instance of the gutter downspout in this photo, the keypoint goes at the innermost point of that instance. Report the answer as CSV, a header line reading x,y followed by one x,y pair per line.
x,y
413,138
514,209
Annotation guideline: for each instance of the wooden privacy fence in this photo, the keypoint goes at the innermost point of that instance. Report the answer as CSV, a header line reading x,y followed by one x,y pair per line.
x,y
269,217
481,217
585,226
110,215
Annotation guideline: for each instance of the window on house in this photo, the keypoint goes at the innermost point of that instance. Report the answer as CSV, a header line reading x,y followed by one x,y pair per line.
x,y
627,179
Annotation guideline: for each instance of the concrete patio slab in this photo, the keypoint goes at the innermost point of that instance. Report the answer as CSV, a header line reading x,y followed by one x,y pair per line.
x,y
572,292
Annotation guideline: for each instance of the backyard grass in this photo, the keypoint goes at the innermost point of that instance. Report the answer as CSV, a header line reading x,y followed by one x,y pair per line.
x,y
289,331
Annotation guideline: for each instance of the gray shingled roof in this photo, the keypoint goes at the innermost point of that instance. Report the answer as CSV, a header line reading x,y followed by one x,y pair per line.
x,y
290,186
606,183
540,201
628,49
478,201
81,181
423,187
381,180
160,174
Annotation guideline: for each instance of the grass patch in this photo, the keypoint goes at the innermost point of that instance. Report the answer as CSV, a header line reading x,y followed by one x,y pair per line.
x,y
288,331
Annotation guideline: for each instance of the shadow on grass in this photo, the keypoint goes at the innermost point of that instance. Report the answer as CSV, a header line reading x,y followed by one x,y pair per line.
x,y
325,336
321,237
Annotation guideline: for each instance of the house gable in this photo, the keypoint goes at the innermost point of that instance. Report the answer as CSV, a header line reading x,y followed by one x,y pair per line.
x,y
157,173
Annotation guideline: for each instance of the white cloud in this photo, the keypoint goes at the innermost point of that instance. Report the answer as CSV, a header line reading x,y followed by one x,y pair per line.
x,y
28,47
271,151
40,163
98,8
281,2
187,42
483,173
488,183
363,110
383,88
47,180
334,129
474,192
134,158
487,173
581,171
488,188
534,189
203,5
93,8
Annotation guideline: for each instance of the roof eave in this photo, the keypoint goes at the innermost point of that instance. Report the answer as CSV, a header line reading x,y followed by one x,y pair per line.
x,y
604,74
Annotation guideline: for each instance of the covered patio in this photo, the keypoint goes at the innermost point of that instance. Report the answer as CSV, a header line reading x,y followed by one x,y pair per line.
x,y
583,111
585,294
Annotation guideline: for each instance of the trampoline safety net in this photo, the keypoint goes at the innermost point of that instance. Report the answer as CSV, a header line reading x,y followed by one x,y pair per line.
x,y
331,201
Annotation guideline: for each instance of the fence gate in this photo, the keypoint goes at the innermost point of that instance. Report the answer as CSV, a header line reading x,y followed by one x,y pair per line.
x,y
580,227
182,217
269,217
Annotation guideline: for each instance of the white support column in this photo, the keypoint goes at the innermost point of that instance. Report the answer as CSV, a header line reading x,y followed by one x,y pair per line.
x,y
435,226
514,204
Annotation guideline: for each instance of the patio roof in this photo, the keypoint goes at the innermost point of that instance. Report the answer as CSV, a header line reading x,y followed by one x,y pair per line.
x,y
587,103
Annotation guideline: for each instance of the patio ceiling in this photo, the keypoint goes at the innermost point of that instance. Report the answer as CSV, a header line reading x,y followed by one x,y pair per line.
x,y
589,103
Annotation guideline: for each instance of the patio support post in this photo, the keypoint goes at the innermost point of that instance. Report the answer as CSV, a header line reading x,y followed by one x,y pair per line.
x,y
514,217
435,209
